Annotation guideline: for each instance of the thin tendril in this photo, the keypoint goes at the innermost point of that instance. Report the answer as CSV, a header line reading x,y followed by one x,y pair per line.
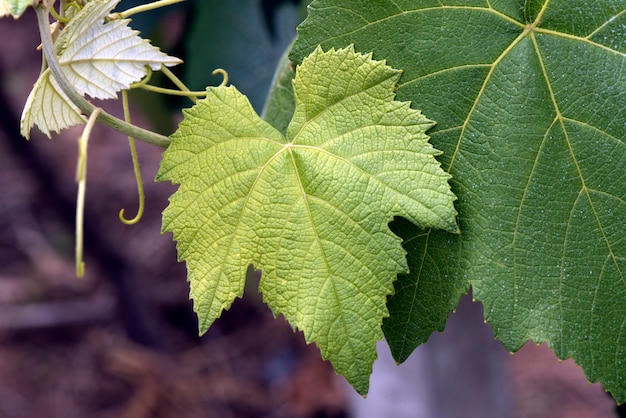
x,y
184,91
133,153
143,8
58,16
144,80
169,74
172,92
224,74
70,6
81,179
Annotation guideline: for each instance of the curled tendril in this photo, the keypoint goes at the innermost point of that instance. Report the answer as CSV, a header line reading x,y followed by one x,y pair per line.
x,y
178,83
224,74
58,17
144,80
184,91
133,153
76,5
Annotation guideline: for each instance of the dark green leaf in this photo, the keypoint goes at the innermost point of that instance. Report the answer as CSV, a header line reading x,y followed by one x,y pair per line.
x,y
530,101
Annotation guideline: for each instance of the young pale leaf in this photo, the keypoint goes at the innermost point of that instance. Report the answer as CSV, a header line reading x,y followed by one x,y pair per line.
x,y
98,58
4,9
530,103
101,58
49,108
14,7
310,209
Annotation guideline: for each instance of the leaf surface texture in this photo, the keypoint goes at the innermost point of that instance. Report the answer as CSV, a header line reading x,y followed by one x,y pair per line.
x,y
530,99
309,209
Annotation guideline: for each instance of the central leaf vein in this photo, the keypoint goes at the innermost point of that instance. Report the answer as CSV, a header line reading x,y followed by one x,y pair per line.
x,y
329,277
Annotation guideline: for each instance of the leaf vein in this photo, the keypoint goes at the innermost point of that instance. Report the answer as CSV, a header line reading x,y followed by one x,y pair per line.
x,y
352,33
322,252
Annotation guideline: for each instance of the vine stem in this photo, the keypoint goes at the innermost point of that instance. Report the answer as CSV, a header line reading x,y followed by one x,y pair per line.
x,y
76,98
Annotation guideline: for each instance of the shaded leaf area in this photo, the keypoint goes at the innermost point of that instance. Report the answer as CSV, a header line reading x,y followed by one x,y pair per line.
x,y
281,102
310,209
530,104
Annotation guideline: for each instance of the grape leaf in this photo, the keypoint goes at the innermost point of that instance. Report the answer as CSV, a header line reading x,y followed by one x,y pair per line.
x,y
48,107
98,58
530,99
309,209
14,7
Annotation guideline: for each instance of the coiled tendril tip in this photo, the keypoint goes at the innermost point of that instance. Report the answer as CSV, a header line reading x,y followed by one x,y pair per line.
x,y
224,74
133,153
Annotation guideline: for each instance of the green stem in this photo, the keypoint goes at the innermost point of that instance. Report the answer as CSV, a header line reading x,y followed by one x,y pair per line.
x,y
76,98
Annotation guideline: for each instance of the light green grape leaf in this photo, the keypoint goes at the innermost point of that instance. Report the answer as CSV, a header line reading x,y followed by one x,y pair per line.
x,y
309,209
99,58
530,100
14,8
